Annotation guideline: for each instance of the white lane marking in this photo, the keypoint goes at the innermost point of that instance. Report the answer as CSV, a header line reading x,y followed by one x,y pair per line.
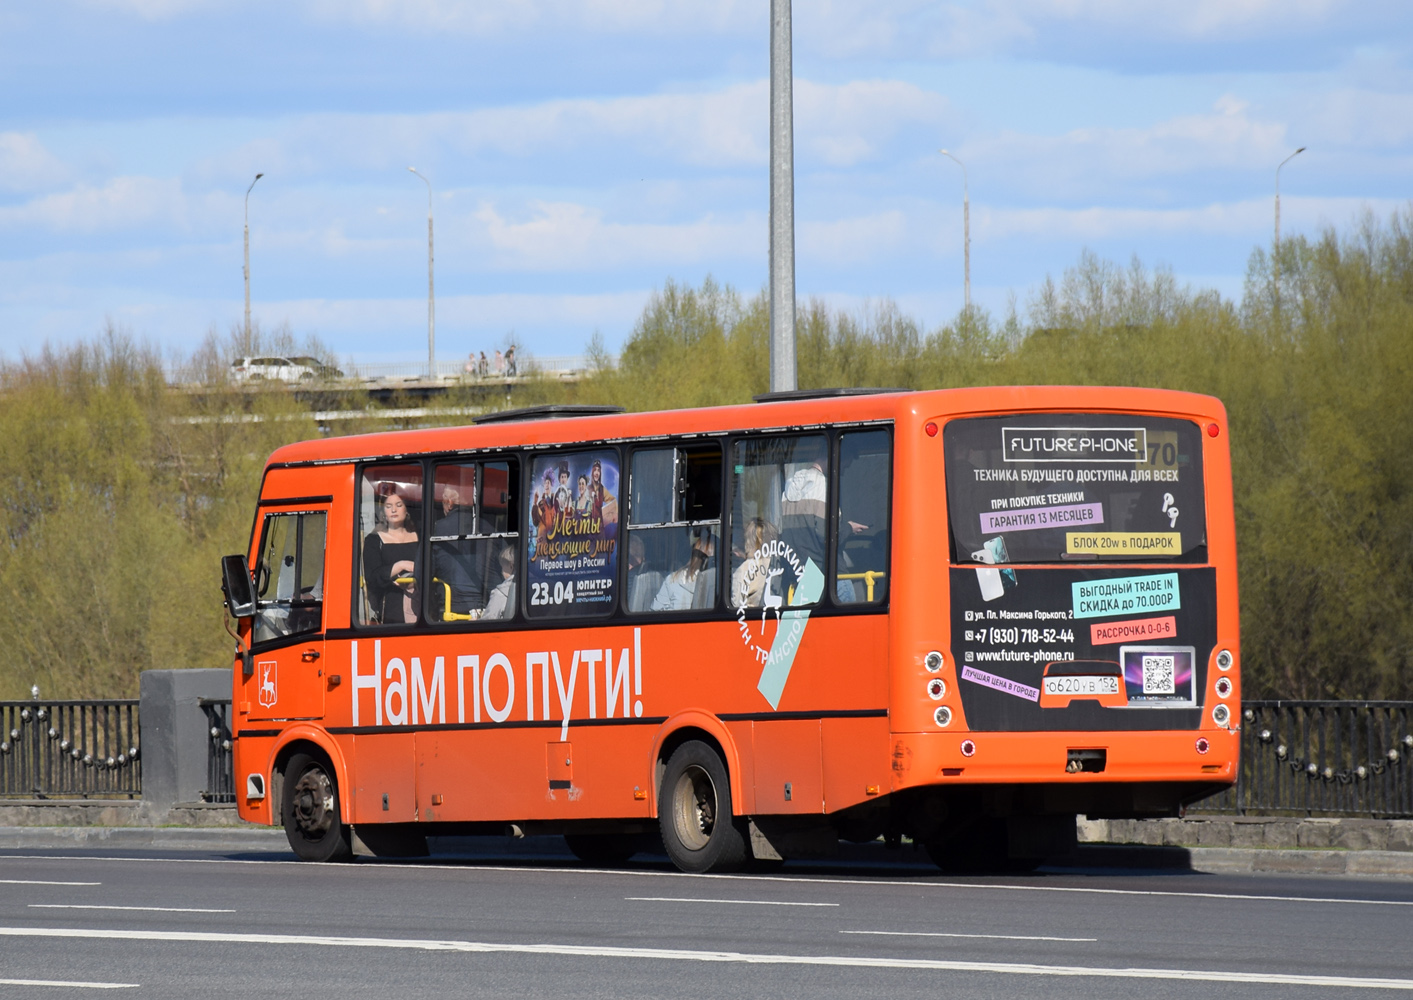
x,y
145,909
735,957
739,902
73,985
440,870
34,881
985,937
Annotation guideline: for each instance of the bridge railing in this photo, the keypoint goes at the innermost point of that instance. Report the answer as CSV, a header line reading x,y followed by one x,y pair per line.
x,y
84,749
220,762
1309,758
1323,758
446,370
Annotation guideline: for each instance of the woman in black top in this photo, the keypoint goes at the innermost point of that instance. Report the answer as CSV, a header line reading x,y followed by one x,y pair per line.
x,y
390,565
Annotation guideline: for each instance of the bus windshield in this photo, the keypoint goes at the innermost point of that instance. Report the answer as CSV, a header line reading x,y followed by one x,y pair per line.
x,y
1067,487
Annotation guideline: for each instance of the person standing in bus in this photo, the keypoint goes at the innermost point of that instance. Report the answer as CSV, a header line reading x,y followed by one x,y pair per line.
x,y
390,564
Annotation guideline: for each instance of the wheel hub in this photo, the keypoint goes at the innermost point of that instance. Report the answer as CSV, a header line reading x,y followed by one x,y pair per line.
x,y
695,813
314,803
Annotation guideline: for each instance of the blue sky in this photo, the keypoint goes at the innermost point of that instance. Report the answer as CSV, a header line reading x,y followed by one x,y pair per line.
x,y
582,152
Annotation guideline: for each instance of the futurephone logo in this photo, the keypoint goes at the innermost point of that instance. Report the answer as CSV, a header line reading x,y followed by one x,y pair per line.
x,y
1074,444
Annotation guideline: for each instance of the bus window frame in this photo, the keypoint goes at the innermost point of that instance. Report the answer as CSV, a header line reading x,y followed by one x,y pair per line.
x,y
265,517
678,444
836,514
479,460
524,455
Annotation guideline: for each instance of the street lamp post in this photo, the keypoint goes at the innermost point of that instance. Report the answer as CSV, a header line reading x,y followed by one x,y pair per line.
x,y
431,288
247,258
782,201
1276,255
966,230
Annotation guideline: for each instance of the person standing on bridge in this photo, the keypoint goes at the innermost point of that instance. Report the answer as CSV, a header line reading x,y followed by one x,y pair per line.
x,y
500,363
510,362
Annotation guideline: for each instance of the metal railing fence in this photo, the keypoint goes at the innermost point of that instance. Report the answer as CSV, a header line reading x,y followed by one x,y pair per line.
x,y
220,763
51,749
1310,758
1323,758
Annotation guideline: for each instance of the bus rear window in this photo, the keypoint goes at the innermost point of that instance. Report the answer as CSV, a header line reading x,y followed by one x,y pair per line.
x,y
1075,487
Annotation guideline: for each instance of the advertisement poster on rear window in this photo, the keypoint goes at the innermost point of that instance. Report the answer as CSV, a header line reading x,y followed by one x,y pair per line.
x,y
573,534
1045,635
1075,487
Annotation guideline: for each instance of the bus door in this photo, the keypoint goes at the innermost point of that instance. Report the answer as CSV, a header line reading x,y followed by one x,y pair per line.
x,y
287,639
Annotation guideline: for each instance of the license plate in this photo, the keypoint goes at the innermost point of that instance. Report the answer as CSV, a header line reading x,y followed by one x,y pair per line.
x,y
1082,685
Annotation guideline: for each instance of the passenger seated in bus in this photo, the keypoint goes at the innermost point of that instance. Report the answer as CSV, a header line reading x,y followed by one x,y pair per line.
x,y
390,563
502,600
679,592
749,579
643,582
461,566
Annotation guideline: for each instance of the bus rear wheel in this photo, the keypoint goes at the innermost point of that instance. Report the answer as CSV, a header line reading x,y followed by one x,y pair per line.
x,y
311,811
694,812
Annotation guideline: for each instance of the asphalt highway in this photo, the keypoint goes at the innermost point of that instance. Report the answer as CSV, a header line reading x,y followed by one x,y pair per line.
x,y
186,924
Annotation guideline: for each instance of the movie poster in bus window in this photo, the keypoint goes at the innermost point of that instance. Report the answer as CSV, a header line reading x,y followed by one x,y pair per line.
x,y
573,534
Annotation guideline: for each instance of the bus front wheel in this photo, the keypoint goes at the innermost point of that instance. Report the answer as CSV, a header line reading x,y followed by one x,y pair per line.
x,y
694,812
311,811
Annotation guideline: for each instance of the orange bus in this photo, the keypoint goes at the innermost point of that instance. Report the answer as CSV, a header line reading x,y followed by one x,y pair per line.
x,y
962,617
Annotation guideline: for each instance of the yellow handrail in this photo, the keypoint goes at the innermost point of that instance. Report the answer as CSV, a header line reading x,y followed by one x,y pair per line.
x,y
867,577
449,615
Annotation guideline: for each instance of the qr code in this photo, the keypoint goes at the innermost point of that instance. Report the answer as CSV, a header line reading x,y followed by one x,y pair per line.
x,y
1159,675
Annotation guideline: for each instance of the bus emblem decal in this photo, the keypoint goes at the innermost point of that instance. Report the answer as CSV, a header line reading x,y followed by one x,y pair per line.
x,y
777,660
268,692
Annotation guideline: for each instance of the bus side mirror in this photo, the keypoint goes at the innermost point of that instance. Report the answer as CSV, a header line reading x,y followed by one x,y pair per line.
x,y
237,586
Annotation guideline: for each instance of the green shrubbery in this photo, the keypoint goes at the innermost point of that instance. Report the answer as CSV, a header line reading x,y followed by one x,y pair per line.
x,y
122,492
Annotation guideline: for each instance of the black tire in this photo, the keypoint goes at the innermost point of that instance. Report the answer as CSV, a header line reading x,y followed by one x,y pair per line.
x,y
605,850
310,808
694,812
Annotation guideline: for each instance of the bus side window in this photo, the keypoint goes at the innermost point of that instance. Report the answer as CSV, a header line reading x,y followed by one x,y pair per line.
x,y
473,541
389,544
289,576
674,529
861,518
779,508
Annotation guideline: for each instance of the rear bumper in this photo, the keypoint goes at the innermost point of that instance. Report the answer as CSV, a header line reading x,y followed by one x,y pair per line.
x,y
942,758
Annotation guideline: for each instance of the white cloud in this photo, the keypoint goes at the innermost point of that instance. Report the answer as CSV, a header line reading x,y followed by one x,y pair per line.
x,y
480,17
121,203
839,125
1191,19
853,240
1092,158
565,236
1253,218
1362,118
25,165
156,10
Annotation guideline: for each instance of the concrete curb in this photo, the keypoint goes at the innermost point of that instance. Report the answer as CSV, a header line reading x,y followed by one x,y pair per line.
x,y
157,837
1217,860
1238,860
